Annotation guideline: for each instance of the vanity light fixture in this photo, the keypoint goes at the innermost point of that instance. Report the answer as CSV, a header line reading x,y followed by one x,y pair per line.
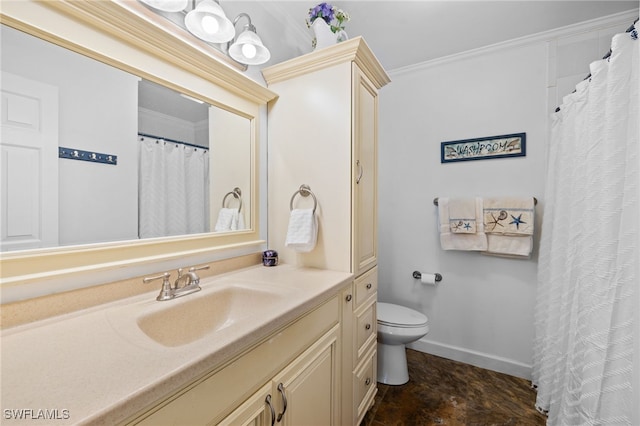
x,y
247,47
206,20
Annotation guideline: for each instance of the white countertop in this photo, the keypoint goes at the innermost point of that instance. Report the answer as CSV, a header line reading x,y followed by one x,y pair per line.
x,y
96,365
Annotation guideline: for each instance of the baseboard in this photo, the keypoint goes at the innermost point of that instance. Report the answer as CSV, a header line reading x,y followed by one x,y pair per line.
x,y
478,359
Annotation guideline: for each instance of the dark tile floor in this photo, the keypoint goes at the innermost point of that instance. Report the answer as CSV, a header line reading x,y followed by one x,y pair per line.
x,y
445,392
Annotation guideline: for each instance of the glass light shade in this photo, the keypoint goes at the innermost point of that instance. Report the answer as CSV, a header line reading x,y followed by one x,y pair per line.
x,y
248,44
167,5
209,23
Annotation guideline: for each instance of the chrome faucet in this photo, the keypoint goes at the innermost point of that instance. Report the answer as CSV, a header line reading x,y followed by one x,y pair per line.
x,y
186,283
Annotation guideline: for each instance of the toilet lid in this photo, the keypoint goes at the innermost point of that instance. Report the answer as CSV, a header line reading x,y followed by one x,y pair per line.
x,y
390,314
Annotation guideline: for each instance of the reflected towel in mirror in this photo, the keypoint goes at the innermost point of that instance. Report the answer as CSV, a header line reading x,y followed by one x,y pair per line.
x,y
229,220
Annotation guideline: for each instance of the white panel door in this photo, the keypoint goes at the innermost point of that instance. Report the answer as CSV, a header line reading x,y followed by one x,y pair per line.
x,y
29,164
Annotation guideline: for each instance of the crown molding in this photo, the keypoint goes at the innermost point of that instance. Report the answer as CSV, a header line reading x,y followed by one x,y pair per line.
x,y
353,50
621,18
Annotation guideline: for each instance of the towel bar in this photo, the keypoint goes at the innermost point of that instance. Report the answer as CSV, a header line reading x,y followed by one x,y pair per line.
x,y
237,194
435,201
305,191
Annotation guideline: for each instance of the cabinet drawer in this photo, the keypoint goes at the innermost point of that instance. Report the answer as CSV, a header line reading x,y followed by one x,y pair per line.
x,y
365,383
366,329
366,287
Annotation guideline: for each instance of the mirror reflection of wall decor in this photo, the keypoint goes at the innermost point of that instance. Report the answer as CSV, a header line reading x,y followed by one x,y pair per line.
x,y
176,155
512,145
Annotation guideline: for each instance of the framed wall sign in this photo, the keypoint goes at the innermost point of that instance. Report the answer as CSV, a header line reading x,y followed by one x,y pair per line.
x,y
513,145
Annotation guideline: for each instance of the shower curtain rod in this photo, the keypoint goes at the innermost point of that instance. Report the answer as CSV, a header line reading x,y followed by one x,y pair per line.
x,y
146,135
628,30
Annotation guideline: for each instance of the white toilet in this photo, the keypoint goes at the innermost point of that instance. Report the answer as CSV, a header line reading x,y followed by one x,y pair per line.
x,y
397,326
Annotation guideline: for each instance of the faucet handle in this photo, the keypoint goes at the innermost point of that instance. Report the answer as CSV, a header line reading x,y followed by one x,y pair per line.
x,y
164,276
166,292
193,268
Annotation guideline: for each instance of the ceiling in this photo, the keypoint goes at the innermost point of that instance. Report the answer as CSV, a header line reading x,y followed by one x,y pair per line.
x,y
403,33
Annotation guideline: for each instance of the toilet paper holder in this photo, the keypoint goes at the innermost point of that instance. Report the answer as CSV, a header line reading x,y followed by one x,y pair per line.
x,y
418,275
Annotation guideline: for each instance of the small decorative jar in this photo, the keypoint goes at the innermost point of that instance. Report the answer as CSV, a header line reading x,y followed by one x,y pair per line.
x,y
270,258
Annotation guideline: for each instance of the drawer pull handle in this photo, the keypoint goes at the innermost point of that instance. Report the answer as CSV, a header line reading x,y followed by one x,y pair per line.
x,y
368,326
369,286
368,381
273,412
360,171
284,401
348,298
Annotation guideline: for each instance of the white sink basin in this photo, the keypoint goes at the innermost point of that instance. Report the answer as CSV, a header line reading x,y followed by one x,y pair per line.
x,y
194,316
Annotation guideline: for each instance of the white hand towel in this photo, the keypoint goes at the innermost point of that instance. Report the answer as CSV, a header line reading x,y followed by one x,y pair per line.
x,y
462,215
227,220
509,246
509,224
240,225
302,233
509,215
461,241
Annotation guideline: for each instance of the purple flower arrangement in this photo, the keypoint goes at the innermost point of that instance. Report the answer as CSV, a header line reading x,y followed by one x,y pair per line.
x,y
333,16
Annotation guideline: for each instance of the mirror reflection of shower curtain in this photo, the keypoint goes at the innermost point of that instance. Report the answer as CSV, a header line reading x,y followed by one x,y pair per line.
x,y
174,189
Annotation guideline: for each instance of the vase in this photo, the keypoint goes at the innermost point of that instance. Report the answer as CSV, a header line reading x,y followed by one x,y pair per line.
x,y
324,36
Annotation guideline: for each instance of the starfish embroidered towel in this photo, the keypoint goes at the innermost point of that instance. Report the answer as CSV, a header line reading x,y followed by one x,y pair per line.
x,y
461,241
462,215
509,215
302,232
509,224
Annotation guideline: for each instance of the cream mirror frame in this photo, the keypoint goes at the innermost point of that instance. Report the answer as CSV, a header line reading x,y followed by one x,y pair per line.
x,y
125,35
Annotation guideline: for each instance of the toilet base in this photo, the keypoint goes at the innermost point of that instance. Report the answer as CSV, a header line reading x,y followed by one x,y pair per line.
x,y
392,364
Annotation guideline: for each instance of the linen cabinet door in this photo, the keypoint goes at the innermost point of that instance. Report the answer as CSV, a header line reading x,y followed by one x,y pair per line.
x,y
307,391
365,172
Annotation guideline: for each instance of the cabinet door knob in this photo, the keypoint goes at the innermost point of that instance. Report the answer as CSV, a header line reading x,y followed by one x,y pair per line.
x,y
368,381
369,285
284,401
360,171
273,412
368,326
348,298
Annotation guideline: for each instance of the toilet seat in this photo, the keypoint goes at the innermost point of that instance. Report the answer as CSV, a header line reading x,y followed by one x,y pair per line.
x,y
399,316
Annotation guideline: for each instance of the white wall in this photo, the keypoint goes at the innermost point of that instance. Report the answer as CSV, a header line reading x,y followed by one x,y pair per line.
x,y
482,311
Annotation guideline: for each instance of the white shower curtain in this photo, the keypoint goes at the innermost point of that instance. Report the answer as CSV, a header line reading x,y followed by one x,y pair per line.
x,y
587,271
174,189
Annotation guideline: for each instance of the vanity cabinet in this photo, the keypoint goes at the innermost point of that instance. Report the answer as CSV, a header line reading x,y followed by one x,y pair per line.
x,y
304,393
323,132
300,363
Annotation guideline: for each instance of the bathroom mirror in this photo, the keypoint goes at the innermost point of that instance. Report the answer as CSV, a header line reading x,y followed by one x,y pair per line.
x,y
175,157
139,53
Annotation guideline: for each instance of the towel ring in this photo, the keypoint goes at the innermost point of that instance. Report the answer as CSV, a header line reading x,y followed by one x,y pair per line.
x,y
237,194
305,191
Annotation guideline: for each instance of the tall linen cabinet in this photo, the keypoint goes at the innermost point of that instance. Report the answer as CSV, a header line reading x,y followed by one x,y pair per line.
x,y
323,133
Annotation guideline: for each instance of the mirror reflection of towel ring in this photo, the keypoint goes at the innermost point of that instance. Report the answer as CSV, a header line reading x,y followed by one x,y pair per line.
x,y
237,194
305,191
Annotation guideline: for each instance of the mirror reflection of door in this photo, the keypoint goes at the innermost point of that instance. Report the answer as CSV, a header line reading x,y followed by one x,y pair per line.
x,y
28,164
